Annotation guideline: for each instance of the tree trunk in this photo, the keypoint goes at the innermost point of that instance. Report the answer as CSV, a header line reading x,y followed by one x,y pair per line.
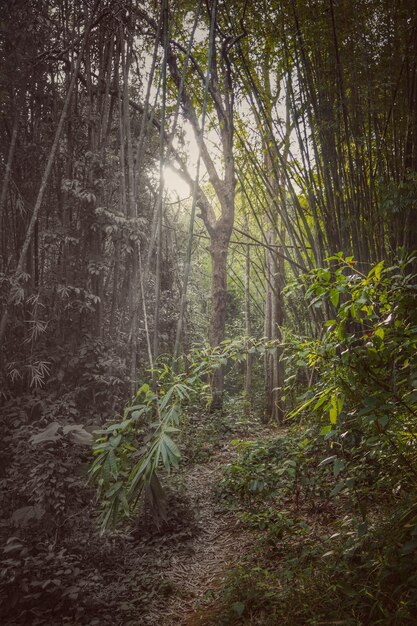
x,y
219,88
218,252
248,326
5,187
274,317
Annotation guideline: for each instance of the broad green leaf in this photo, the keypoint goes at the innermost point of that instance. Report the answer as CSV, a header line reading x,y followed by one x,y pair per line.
x,y
143,389
334,296
302,407
136,413
50,433
24,515
377,270
164,453
115,440
172,446
336,405
166,398
116,487
338,466
324,430
383,421
124,503
379,332
112,463
322,399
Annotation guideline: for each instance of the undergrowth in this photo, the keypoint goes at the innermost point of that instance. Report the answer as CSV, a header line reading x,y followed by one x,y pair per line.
x,y
317,558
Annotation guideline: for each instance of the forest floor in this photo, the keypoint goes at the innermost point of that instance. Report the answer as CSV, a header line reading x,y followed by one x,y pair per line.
x,y
144,575
195,569
242,542
192,556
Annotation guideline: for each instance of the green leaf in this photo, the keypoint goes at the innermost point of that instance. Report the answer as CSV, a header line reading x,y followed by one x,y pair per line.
x,y
383,421
165,399
324,430
172,446
112,463
116,487
164,453
143,389
137,412
380,333
338,466
24,515
322,399
378,270
336,405
50,433
115,440
302,407
124,503
78,434
334,296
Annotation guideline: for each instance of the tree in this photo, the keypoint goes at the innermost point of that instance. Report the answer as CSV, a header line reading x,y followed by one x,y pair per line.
x,y
219,227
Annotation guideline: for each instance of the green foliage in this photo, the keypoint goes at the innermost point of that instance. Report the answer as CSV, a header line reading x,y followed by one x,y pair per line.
x,y
277,523
335,498
40,486
271,471
130,453
364,366
145,432
247,595
40,576
261,470
200,436
367,567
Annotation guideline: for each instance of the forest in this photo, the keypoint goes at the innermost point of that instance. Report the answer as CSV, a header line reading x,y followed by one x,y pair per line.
x,y
208,312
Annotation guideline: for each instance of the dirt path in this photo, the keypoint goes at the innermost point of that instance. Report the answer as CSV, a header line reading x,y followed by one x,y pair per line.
x,y
190,569
217,546
167,575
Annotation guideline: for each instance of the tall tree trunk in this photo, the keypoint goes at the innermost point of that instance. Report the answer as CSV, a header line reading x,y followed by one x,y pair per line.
x,y
221,91
6,179
274,315
268,334
159,207
218,253
248,325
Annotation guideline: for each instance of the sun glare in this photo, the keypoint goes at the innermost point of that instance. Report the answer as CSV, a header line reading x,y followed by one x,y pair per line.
x,y
176,186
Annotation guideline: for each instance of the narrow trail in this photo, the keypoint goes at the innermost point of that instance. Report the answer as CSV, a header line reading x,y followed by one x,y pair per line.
x,y
217,546
169,575
192,568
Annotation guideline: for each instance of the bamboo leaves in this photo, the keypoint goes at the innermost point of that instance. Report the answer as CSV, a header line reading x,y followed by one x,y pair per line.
x,y
130,454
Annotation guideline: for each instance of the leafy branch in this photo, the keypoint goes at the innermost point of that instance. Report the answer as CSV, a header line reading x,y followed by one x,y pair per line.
x,y
130,453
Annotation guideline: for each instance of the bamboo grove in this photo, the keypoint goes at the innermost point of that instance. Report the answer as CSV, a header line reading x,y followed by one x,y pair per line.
x,y
316,115
208,217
